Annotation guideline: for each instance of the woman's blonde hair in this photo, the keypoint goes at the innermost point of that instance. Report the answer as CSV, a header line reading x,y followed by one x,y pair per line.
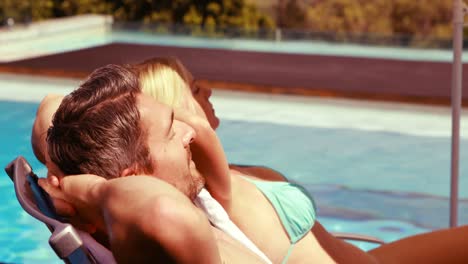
x,y
166,80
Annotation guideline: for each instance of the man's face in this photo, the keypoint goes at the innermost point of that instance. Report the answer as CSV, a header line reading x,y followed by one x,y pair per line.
x,y
169,145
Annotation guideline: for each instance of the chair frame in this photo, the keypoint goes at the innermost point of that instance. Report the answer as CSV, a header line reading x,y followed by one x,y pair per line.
x,y
71,245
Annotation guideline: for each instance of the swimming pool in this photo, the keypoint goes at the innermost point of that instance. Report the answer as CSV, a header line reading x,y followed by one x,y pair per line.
x,y
377,169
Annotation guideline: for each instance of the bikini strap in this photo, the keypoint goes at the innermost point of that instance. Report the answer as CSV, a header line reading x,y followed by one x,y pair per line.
x,y
285,260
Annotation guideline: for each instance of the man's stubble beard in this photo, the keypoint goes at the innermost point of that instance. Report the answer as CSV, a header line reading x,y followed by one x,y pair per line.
x,y
196,184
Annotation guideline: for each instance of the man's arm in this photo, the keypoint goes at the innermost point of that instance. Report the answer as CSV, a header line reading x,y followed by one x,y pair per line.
x,y
146,219
44,114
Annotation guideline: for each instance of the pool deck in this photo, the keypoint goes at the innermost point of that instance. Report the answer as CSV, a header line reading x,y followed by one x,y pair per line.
x,y
381,79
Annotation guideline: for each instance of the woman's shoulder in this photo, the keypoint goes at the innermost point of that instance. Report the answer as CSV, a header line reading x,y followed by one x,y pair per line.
x,y
258,172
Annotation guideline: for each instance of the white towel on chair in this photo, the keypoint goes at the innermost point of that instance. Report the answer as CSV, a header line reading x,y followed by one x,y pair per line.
x,y
220,219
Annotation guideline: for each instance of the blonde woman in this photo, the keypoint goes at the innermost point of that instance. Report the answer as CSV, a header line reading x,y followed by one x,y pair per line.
x,y
168,81
288,244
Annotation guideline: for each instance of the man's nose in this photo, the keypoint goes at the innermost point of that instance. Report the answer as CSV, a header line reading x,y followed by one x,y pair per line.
x,y
189,135
207,92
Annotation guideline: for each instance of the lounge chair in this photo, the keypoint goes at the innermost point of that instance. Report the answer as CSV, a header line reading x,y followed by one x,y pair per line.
x,y
71,245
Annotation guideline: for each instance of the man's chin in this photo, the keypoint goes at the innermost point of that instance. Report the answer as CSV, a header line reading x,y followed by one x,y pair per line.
x,y
197,189
215,123
192,165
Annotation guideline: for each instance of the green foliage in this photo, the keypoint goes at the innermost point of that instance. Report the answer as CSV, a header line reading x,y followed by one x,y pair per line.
x,y
422,18
418,19
42,9
397,17
25,11
192,17
290,14
357,16
18,11
210,14
74,7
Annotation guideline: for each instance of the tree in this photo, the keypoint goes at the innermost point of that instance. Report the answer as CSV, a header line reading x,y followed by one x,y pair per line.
x,y
352,16
74,7
290,14
412,22
18,11
209,14
422,18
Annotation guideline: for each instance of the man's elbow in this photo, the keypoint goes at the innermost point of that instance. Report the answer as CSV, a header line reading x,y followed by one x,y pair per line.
x,y
148,236
183,231
171,219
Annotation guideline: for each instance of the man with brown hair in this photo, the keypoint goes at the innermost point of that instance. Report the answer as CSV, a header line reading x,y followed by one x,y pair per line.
x,y
105,127
97,127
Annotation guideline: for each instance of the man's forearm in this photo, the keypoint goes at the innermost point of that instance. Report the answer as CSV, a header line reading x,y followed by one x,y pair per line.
x,y
148,219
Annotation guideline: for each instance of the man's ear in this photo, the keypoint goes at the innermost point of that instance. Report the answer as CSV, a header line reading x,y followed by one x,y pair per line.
x,y
54,174
128,171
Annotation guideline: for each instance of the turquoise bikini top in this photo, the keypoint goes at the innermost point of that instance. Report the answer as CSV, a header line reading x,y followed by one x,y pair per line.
x,y
294,206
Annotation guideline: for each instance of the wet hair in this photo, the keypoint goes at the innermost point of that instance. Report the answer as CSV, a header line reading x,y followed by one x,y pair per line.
x,y
97,128
166,80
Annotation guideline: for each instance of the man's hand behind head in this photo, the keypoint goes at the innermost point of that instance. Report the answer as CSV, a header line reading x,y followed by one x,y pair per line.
x,y
72,204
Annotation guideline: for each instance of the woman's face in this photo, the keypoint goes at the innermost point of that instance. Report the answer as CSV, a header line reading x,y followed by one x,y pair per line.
x,y
202,97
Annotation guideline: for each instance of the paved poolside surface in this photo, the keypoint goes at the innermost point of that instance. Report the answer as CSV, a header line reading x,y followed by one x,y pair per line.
x,y
273,72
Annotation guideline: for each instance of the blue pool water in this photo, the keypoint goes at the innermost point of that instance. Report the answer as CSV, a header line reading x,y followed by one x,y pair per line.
x,y
22,238
377,175
388,185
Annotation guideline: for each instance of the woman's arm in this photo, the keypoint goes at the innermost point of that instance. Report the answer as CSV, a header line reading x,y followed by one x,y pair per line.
x,y
209,157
